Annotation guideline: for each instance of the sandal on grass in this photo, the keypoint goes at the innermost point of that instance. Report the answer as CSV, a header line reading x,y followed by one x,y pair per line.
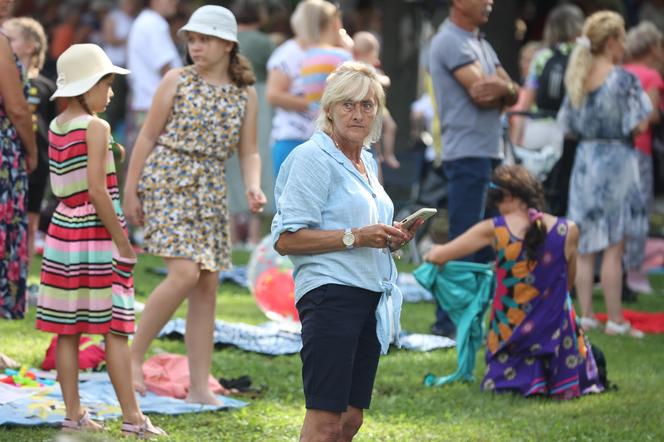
x,y
624,328
84,423
144,430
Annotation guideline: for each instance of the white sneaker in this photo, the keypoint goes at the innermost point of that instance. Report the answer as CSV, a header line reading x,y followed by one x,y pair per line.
x,y
615,328
588,323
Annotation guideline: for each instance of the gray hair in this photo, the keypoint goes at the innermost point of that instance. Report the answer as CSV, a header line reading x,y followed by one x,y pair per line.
x,y
563,25
641,39
353,81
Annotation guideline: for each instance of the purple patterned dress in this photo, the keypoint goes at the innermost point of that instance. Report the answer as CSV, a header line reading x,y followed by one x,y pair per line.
x,y
13,218
534,345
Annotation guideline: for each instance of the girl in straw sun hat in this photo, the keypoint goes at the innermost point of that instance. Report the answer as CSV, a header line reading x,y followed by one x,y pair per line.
x,y
176,185
86,278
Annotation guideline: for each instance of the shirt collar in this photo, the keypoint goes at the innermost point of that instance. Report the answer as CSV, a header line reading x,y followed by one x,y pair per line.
x,y
325,142
460,30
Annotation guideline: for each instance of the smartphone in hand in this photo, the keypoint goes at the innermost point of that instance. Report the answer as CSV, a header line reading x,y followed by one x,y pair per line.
x,y
423,214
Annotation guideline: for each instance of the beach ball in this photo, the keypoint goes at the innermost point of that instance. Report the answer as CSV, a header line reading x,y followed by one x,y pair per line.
x,y
270,278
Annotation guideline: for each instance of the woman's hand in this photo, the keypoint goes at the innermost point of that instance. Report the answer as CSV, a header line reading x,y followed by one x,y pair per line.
x,y
436,255
256,199
125,250
409,233
380,236
132,208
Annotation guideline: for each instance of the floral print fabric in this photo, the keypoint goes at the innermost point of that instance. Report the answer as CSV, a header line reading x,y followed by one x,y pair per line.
x,y
534,345
183,185
13,217
606,200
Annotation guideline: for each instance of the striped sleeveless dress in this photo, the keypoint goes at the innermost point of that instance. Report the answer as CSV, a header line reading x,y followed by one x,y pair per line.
x,y
86,287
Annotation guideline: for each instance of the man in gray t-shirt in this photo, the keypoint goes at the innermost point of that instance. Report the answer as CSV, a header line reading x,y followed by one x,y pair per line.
x,y
471,89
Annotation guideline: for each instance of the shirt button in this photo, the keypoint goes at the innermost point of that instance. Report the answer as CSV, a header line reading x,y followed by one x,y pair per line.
x,y
373,195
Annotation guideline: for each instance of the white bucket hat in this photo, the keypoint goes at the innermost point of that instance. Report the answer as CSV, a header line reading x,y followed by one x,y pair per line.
x,y
212,20
80,67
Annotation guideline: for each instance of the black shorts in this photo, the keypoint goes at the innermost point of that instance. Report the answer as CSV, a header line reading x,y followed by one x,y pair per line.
x,y
340,349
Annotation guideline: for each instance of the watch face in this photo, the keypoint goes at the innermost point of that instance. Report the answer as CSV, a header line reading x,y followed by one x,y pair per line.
x,y
348,239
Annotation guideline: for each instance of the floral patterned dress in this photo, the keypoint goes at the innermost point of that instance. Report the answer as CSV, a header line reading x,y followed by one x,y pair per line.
x,y
183,185
13,217
534,345
606,200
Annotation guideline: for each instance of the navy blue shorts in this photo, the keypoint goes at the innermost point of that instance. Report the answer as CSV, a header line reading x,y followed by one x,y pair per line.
x,y
340,349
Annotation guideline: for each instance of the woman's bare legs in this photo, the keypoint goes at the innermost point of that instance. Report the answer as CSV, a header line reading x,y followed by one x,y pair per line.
x,y
163,301
611,281
585,280
198,337
320,425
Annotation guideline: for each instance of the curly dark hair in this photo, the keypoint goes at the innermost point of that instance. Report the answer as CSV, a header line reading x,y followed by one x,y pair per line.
x,y
516,181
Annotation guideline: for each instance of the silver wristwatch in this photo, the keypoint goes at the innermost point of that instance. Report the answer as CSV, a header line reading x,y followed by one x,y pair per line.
x,y
348,239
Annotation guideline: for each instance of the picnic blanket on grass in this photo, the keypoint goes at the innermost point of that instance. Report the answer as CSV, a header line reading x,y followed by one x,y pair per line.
x,y
45,406
270,338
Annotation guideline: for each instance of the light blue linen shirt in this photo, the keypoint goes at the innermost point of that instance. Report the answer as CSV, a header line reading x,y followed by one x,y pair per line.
x,y
319,188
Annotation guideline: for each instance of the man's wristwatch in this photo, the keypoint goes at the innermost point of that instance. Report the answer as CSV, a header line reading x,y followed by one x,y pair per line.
x,y
348,239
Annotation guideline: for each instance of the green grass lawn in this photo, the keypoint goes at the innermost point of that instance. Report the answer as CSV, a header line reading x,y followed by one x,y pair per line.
x,y
402,409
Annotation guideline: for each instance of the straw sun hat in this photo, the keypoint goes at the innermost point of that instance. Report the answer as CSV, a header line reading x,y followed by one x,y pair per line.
x,y
80,67
212,20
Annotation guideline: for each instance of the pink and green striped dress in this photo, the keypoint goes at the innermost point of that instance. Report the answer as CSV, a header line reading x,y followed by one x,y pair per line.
x,y
86,287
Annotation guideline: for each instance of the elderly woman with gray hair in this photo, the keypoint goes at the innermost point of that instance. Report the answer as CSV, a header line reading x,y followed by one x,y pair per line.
x,y
645,58
334,220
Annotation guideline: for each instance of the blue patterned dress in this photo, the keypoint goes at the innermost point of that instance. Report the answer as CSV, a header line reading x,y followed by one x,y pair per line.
x,y
605,192
13,216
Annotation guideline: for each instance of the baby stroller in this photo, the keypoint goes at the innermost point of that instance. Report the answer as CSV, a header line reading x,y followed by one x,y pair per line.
x,y
541,145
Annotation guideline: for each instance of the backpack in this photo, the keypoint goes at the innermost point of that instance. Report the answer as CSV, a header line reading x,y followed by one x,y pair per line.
x,y
600,361
551,88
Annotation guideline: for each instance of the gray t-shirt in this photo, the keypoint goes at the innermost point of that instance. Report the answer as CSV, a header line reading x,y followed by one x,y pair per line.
x,y
467,130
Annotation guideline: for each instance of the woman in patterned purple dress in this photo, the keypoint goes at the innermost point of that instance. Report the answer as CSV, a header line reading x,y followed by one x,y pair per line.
x,y
18,157
534,345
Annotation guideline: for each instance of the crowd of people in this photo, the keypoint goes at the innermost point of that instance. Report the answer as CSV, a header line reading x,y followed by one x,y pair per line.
x,y
203,148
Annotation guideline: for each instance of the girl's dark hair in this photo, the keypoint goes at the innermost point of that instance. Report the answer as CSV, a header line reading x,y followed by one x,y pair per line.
x,y
81,98
240,70
519,183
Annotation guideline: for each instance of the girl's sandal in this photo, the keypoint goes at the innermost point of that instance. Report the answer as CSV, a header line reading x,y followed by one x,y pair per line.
x,y
84,423
144,430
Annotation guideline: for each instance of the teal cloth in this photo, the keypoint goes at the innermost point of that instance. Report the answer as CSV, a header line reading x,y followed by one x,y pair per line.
x,y
464,290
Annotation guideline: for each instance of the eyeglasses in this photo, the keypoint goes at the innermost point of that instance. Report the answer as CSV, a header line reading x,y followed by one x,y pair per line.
x,y
366,106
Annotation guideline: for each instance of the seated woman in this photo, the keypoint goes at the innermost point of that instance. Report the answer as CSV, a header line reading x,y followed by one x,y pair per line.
x,y
534,344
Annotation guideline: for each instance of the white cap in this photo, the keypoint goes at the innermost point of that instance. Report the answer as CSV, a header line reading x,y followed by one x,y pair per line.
x,y
80,67
212,20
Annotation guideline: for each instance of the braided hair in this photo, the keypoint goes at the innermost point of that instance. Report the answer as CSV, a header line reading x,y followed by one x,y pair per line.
x,y
517,182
